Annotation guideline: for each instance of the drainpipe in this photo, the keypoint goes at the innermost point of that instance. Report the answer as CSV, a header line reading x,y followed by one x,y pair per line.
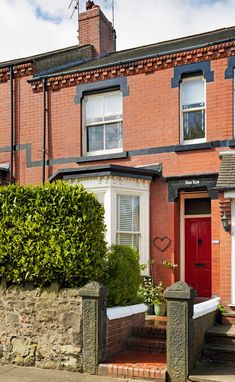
x,y
44,132
12,122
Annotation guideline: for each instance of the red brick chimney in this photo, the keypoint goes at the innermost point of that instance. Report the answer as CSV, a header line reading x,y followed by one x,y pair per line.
x,y
95,29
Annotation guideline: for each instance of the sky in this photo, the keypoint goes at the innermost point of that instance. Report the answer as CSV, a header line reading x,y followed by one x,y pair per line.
x,y
29,27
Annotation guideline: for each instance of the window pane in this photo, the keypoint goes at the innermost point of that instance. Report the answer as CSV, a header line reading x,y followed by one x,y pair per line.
x,y
128,239
128,213
94,109
113,136
194,124
95,138
200,206
192,93
112,106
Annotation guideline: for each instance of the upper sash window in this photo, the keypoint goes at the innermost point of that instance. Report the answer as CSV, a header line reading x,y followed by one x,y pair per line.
x,y
103,122
193,110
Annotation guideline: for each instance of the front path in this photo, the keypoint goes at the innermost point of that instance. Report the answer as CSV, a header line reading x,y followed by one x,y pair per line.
x,y
31,374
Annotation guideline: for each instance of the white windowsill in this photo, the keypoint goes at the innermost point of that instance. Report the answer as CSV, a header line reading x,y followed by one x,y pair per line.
x,y
103,152
194,141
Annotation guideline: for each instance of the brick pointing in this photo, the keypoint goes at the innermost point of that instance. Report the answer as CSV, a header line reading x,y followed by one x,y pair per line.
x,y
150,118
95,29
119,330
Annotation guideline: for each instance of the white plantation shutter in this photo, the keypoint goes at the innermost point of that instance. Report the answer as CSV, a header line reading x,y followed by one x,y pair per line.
x,y
128,220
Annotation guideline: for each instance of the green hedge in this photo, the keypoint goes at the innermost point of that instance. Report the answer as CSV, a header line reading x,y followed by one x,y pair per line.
x,y
51,232
122,276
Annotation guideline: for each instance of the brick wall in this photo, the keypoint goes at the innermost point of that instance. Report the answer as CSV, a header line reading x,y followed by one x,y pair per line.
x,y
150,119
95,29
119,330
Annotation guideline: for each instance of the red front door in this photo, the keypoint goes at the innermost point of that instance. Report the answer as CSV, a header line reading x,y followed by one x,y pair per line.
x,y
198,255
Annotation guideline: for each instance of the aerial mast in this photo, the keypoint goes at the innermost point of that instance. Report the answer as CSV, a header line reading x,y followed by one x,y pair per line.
x,y
75,5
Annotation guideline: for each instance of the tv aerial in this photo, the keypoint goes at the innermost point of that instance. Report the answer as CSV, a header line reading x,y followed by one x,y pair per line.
x,y
75,4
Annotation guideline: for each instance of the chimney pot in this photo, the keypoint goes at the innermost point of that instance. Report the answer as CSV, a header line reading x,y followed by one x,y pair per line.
x,y
89,5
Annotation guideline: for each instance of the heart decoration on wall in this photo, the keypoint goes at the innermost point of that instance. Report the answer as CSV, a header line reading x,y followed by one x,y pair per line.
x,y
162,243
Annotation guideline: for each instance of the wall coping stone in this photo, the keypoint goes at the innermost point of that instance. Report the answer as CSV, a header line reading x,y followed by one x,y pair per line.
x,y
180,291
125,311
205,307
93,289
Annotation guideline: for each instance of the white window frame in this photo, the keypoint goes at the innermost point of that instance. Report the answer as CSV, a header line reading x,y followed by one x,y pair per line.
x,y
113,186
197,140
85,142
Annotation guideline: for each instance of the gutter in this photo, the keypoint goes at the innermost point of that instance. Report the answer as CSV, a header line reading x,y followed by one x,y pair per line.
x,y
130,60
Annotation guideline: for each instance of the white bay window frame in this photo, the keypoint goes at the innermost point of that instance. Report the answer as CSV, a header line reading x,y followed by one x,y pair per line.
x,y
192,109
111,187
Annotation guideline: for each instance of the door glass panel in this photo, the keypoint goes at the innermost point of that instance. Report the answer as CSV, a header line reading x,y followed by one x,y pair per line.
x,y
201,206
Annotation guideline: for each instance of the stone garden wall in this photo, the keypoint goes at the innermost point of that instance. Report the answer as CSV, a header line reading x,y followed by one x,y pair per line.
x,y
41,327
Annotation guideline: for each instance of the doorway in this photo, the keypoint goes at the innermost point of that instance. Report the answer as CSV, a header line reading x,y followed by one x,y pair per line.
x,y
197,242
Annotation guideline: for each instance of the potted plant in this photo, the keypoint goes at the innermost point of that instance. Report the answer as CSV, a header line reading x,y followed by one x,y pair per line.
x,y
146,293
159,300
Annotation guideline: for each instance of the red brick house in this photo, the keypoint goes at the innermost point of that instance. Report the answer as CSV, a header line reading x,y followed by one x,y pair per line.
x,y
144,129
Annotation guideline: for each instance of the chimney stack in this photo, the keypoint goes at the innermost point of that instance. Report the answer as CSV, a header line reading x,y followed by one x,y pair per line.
x,y
97,30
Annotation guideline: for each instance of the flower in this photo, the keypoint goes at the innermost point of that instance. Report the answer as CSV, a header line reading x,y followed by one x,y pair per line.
x,y
169,264
158,294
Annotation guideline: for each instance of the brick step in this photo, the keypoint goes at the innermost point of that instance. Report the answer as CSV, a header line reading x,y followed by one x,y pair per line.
x,y
136,365
146,344
222,334
219,352
155,320
150,331
228,318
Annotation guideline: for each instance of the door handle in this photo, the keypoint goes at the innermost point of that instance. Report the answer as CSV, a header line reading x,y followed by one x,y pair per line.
x,y
199,265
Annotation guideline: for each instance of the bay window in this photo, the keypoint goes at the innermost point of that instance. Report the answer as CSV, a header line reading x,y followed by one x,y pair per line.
x,y
126,204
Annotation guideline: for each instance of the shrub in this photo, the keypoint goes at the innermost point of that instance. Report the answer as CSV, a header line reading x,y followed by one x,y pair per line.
x,y
122,275
51,232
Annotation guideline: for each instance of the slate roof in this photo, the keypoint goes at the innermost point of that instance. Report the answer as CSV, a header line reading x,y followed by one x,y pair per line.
x,y
108,170
226,179
78,58
162,48
57,60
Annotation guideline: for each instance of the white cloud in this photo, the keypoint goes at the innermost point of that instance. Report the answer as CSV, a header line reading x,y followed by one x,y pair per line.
x,y
137,22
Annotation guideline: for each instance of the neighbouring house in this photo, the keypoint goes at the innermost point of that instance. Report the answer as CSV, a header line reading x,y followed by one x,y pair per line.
x,y
150,130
